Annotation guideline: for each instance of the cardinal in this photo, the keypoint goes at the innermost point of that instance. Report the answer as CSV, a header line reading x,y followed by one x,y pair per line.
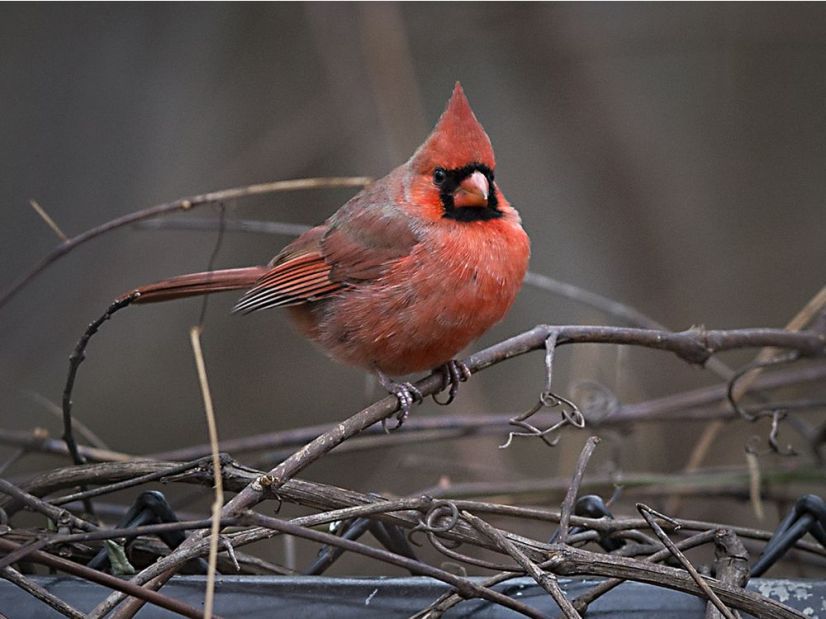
x,y
404,275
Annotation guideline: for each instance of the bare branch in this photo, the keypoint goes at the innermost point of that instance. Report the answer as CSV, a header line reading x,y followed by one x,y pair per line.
x,y
464,586
107,580
573,489
649,515
47,218
29,586
182,204
545,580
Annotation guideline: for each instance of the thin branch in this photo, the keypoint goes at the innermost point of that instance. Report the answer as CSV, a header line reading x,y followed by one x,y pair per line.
x,y
543,579
59,515
107,580
573,489
570,561
649,515
678,406
195,337
51,600
77,357
465,587
129,483
713,429
587,598
731,564
42,594
38,441
182,204
82,429
47,218
230,225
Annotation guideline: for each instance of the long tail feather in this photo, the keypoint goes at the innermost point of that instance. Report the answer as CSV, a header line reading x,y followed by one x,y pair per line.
x,y
196,284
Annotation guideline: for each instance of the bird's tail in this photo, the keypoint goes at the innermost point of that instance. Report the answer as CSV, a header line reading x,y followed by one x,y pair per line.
x,y
196,284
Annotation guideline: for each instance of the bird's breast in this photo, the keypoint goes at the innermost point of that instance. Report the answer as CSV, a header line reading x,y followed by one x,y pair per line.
x,y
456,283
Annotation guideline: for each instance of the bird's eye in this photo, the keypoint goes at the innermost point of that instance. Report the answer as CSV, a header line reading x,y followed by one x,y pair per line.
x,y
439,176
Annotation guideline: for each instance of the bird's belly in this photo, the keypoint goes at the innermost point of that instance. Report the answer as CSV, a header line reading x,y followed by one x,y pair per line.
x,y
417,324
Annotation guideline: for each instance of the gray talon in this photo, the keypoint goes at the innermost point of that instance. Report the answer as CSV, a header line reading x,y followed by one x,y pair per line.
x,y
453,373
406,394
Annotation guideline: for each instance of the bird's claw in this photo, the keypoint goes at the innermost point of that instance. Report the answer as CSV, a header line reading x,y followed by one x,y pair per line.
x,y
453,373
405,393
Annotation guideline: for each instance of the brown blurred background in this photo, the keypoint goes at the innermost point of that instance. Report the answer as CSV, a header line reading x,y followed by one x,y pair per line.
x,y
671,156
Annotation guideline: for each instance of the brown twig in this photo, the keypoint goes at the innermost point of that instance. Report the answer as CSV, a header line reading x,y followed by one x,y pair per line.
x,y
60,516
543,579
48,219
570,561
570,414
31,587
106,580
195,338
135,481
450,599
713,429
230,225
731,564
107,534
465,587
650,516
587,598
38,441
76,358
687,405
573,489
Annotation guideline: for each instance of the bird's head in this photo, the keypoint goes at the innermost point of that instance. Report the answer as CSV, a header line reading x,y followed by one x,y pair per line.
x,y
452,172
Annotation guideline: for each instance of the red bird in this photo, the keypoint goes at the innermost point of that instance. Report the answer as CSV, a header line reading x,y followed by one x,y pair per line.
x,y
404,275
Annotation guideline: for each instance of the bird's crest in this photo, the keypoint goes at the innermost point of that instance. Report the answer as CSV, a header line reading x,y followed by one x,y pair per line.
x,y
457,140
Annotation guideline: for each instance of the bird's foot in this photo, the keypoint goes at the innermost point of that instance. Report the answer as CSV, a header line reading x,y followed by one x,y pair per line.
x,y
407,395
453,373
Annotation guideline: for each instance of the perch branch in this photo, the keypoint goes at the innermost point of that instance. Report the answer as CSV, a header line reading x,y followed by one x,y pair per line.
x,y
694,346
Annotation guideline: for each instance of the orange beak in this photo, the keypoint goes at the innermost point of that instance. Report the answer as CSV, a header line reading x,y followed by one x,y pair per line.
x,y
473,191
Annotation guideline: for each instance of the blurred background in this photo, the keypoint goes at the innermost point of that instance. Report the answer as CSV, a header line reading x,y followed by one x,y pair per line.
x,y
669,156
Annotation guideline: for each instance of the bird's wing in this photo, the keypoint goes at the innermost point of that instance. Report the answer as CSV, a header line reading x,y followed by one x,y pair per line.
x,y
355,246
